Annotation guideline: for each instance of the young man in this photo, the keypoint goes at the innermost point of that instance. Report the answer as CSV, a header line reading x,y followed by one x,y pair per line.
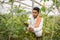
x,y
36,22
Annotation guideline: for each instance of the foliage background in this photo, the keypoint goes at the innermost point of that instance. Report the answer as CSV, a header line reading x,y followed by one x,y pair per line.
x,y
12,26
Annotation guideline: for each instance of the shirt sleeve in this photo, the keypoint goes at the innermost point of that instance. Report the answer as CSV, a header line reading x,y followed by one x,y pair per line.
x,y
30,23
40,26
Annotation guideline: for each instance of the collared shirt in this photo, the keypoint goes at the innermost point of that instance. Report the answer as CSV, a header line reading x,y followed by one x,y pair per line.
x,y
38,30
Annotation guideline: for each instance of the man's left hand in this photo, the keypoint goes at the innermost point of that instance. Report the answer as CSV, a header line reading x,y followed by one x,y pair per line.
x,y
31,29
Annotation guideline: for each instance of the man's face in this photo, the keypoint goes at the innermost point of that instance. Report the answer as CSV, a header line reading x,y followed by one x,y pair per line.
x,y
35,13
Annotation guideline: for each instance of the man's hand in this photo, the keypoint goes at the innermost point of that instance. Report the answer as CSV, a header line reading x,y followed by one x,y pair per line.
x,y
31,29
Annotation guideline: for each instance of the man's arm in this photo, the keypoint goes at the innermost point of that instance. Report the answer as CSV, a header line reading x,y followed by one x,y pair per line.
x,y
30,26
37,22
39,27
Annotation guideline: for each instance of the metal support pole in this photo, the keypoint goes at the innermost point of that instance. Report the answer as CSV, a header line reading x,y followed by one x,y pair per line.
x,y
32,4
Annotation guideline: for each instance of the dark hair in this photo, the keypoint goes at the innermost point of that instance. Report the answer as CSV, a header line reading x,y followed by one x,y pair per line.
x,y
36,8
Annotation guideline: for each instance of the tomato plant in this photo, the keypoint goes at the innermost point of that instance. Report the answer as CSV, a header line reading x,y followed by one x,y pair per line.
x,y
13,27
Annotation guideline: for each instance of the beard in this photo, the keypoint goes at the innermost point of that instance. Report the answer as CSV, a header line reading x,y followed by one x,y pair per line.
x,y
35,16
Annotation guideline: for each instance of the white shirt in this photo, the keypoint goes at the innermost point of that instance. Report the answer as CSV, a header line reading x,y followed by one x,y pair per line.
x,y
38,30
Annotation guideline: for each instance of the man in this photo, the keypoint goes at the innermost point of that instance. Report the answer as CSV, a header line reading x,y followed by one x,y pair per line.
x,y
36,23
